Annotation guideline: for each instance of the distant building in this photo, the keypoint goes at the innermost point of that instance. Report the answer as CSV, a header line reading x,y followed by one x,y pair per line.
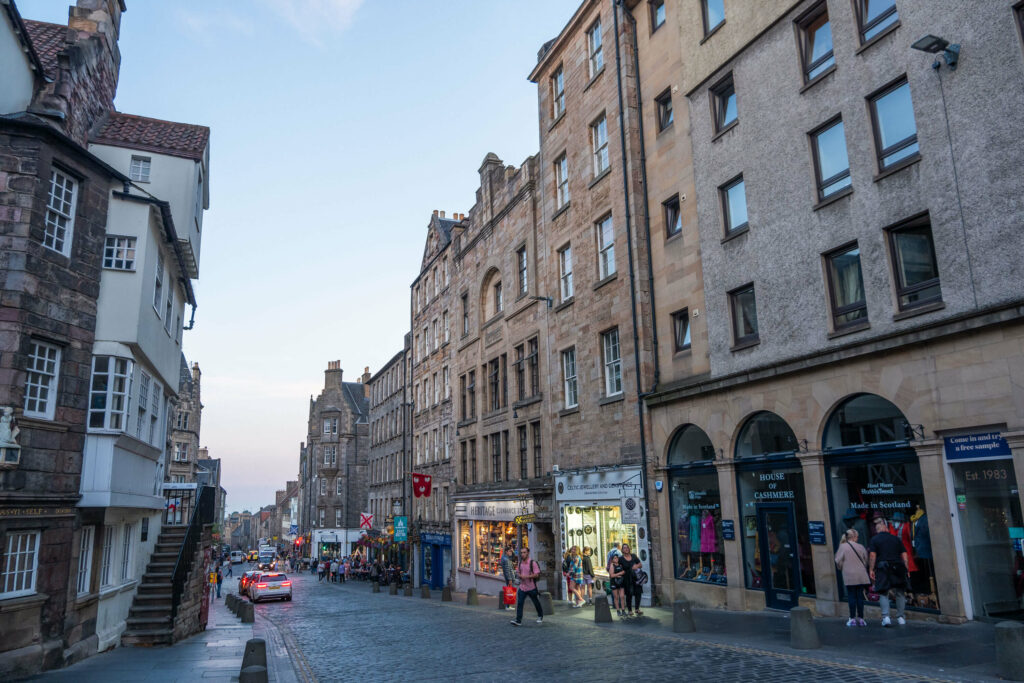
x,y
186,423
389,442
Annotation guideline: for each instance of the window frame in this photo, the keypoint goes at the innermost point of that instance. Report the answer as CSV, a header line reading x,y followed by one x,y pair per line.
x,y
612,367
570,382
668,207
876,130
565,281
557,92
821,184
145,168
110,394
52,379
723,191
116,255
837,310
595,49
880,22
678,344
107,556
654,6
748,339
562,181
605,250
522,266
599,148
708,30
126,552
805,43
901,289
663,107
14,572
51,238
720,94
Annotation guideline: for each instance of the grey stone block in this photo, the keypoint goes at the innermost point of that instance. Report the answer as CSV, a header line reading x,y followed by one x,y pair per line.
x,y
546,604
407,590
253,674
425,591
393,589
682,617
602,610
803,634
255,653
1010,650
247,613
376,587
446,594
471,597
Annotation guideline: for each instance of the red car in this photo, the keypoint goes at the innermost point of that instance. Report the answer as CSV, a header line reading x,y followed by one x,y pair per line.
x,y
244,580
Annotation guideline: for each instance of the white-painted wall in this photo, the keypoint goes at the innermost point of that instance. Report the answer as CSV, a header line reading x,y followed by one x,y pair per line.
x,y
116,600
17,83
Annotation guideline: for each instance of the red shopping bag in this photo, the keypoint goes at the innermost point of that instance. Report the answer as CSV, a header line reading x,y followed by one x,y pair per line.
x,y
508,595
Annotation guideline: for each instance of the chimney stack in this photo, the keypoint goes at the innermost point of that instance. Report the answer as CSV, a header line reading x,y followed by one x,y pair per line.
x,y
435,212
366,381
101,17
442,214
333,374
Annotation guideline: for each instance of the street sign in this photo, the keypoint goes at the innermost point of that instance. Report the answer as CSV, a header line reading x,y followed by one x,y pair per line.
x,y
365,520
525,519
401,528
630,510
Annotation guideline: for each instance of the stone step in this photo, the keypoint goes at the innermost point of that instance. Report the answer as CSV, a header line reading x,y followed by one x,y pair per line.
x,y
164,556
150,611
160,568
148,622
157,577
156,636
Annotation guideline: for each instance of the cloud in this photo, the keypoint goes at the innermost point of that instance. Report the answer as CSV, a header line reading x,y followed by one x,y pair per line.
x,y
316,20
209,23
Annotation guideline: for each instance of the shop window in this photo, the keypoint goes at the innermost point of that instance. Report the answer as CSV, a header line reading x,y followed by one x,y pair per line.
x,y
696,508
491,539
465,546
690,446
865,420
597,528
765,434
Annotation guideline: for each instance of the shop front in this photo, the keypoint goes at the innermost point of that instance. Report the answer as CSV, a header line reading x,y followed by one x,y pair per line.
x,y
435,559
598,508
485,529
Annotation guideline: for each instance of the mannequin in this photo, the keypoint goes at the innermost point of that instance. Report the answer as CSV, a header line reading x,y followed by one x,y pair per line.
x,y
901,529
694,533
708,544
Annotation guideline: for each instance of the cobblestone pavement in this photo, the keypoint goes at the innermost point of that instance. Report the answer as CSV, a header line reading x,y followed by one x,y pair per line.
x,y
343,631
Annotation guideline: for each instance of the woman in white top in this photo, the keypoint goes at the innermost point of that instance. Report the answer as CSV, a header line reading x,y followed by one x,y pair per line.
x,y
852,559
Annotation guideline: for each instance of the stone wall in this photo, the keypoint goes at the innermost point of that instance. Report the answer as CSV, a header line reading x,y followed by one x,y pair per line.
x,y
188,620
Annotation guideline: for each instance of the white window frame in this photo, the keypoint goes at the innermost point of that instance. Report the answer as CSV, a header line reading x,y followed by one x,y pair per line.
x,y
323,486
327,425
21,562
61,203
337,486
447,382
41,380
595,54
142,402
599,144
140,168
169,310
605,247
561,181
323,516
126,552
447,327
334,425
611,353
107,555
113,419
558,92
180,451
158,283
119,253
565,272
337,517
570,383
85,559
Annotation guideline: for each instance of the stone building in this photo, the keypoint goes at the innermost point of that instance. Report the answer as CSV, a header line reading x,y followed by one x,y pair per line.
x,y
389,418
186,421
859,349
431,358
336,480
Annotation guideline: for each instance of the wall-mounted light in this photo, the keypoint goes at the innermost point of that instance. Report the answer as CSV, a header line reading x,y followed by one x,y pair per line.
x,y
934,45
547,299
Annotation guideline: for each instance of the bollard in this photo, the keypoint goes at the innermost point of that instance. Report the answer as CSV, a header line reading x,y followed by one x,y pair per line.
x,y
602,611
425,591
255,653
376,587
803,634
682,617
247,613
471,597
232,602
546,606
253,674
1010,650
446,594
407,591
393,589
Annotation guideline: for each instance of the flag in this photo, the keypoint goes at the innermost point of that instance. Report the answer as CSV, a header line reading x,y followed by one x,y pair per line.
x,y
421,485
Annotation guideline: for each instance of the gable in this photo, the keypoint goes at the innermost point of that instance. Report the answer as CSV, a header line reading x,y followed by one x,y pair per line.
x,y
15,65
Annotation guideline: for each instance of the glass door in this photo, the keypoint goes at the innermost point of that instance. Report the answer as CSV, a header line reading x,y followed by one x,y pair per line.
x,y
776,528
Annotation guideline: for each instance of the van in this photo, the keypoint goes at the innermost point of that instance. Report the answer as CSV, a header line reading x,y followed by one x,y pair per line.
x,y
237,557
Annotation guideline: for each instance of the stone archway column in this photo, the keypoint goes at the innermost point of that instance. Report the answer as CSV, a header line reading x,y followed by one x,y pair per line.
x,y
948,576
1016,442
826,583
735,595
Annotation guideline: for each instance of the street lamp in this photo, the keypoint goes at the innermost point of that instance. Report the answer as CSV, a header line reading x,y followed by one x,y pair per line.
x,y
933,45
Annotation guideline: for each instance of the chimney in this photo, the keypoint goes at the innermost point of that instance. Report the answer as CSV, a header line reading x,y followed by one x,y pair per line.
x,y
333,374
435,212
442,214
101,17
366,381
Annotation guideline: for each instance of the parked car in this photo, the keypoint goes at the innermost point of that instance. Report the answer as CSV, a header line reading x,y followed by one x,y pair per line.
x,y
237,557
268,586
244,580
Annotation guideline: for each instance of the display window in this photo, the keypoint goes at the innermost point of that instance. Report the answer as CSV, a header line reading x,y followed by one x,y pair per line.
x,y
491,539
597,527
988,507
696,508
465,545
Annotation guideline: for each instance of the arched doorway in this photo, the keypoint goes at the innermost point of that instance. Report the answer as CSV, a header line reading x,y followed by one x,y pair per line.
x,y
696,504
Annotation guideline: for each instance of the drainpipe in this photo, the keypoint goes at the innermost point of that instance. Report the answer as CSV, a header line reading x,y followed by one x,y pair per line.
x,y
632,292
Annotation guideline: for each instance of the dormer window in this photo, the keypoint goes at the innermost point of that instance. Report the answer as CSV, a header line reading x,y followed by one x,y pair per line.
x,y
139,171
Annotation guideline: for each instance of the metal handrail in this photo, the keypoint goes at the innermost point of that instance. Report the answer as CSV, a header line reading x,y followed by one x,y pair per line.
x,y
202,514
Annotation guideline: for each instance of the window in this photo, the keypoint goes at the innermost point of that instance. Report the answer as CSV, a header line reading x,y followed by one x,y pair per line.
x,y
180,451
664,108
913,255
322,514
714,14
605,248
139,170
446,445
594,49
437,388
170,307
533,363
498,300
892,114
734,205
337,517
41,380
831,165
334,425
447,327
569,378
85,559
673,217
565,272
106,559
323,487
846,286
657,14
465,464
494,383
681,329
612,363
465,314
182,420
471,393
520,372
744,315
20,565
119,253
108,395
557,93
561,181
599,144
143,402
874,16
60,212
537,468
524,469
723,103
496,456
521,269
327,426
815,35
447,383
126,552
436,334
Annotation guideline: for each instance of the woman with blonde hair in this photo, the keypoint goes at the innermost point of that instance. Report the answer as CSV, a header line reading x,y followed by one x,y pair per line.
x,y
852,559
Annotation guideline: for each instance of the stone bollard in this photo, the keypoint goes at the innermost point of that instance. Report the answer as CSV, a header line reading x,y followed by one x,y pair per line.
x,y
1010,650
803,634
393,589
446,594
255,653
682,617
247,613
376,587
546,605
253,674
471,597
407,590
425,591
602,610
229,601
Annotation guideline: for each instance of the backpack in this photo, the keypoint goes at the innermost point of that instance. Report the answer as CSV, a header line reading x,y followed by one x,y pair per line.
x,y
567,564
639,575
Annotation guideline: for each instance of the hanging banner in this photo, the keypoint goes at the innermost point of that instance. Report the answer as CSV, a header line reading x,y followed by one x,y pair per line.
x,y
401,528
630,510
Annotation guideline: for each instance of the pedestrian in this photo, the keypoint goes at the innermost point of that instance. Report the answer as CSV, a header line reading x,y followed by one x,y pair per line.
x,y
888,571
334,571
852,560
321,569
508,570
634,579
312,566
576,571
611,553
588,574
220,580
529,572
231,568
616,578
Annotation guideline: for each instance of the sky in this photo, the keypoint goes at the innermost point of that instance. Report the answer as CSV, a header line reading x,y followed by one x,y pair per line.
x,y
337,128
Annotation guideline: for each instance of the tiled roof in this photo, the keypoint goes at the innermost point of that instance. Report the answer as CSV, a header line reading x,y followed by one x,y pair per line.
x,y
153,135
48,40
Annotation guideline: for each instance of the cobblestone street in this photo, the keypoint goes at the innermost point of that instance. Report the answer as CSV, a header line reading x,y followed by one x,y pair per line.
x,y
343,631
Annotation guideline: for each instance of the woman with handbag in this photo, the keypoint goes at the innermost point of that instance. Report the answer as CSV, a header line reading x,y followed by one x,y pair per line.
x,y
852,560
634,580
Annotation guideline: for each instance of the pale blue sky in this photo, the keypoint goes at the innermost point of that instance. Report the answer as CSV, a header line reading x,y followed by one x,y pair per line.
x,y
338,126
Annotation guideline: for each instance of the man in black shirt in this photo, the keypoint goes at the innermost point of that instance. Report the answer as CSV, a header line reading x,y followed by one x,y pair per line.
x,y
887,566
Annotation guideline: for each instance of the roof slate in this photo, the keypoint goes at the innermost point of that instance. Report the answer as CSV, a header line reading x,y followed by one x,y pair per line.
x,y
155,135
48,40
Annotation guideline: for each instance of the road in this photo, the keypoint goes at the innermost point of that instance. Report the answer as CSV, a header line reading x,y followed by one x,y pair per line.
x,y
345,632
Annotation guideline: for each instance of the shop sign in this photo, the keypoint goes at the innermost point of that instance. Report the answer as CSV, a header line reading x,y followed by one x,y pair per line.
x,y
401,528
630,510
773,480
816,531
728,530
976,446
498,510
436,539
36,512
601,485
525,519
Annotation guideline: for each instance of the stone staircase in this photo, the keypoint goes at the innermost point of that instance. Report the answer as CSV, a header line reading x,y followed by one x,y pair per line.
x,y
149,619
